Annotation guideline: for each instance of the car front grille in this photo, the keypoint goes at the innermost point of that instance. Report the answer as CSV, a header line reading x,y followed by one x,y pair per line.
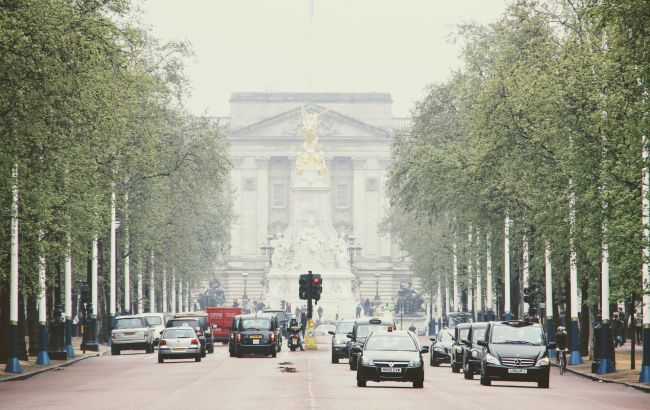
x,y
517,362
395,364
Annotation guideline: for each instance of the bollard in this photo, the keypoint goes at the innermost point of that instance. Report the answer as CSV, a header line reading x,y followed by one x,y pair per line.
x,y
89,339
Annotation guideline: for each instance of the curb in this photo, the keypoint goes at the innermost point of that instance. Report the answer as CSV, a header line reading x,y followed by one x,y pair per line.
x,y
645,389
47,369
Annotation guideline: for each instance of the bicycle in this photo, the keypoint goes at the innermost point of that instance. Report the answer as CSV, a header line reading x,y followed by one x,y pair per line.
x,y
561,357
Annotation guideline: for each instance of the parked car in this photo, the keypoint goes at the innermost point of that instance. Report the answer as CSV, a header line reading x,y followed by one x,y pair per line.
x,y
456,318
515,350
232,336
283,317
362,328
219,320
131,333
205,327
155,321
441,345
179,343
473,353
394,356
256,335
340,343
461,331
194,324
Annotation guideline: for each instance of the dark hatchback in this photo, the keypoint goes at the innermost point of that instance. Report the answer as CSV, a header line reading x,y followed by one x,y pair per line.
x,y
340,342
195,324
461,331
440,351
394,356
232,337
473,353
515,351
361,330
256,335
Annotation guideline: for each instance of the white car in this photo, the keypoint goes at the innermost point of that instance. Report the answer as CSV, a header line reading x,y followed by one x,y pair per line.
x,y
155,321
179,343
131,333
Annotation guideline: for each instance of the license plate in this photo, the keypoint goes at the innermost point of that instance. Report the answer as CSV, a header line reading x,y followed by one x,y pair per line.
x,y
391,370
518,371
129,333
294,339
256,336
256,341
178,349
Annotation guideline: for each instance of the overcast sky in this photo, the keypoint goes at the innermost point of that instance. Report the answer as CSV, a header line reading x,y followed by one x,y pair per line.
x,y
394,46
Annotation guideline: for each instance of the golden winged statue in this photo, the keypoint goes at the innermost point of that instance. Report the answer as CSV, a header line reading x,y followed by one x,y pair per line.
x,y
310,123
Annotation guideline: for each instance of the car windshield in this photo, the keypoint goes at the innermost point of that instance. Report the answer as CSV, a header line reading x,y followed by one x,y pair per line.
x,y
258,323
446,337
478,334
463,333
344,327
404,343
153,320
183,322
178,334
458,319
129,323
518,335
365,329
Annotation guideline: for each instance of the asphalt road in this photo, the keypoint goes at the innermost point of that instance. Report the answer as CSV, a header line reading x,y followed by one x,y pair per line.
x,y
137,381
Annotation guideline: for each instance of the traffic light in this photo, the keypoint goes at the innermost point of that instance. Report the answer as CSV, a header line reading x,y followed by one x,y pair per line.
x,y
317,286
303,287
283,303
527,296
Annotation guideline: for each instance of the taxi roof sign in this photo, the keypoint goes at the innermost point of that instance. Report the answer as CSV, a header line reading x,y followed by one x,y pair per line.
x,y
375,321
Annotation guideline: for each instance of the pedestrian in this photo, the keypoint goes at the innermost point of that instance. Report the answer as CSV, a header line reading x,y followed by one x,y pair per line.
x,y
358,311
622,317
412,328
320,313
617,330
638,326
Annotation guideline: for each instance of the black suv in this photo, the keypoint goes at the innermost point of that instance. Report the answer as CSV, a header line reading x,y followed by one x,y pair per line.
x,y
256,335
517,351
283,318
360,331
340,341
473,353
194,324
440,351
461,331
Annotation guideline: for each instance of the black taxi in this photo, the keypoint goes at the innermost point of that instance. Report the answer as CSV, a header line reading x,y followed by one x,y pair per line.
x,y
461,331
256,335
362,328
389,355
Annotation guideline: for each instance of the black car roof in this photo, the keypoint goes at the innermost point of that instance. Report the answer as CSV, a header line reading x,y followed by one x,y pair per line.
x,y
253,316
515,323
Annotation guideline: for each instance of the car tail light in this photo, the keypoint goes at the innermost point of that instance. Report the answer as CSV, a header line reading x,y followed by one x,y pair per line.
x,y
232,336
163,342
273,337
198,331
239,337
195,341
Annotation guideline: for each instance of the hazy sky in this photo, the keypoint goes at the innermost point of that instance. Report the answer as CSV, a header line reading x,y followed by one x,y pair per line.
x,y
395,46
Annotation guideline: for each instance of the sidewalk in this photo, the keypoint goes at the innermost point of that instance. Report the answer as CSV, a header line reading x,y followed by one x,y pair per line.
x,y
31,369
622,375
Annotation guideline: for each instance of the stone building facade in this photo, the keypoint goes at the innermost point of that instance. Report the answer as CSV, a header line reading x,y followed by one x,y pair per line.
x,y
355,137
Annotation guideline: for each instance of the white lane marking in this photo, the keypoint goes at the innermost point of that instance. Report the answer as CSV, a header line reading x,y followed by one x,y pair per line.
x,y
312,401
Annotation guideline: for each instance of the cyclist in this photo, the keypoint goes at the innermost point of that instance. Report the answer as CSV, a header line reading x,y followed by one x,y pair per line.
x,y
562,340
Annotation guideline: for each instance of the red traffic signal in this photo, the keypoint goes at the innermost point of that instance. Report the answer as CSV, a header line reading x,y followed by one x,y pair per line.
x,y
316,280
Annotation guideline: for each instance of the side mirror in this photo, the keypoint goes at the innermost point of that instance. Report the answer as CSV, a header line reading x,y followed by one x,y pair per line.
x,y
425,349
330,332
465,341
356,349
349,335
481,343
214,326
552,345
433,339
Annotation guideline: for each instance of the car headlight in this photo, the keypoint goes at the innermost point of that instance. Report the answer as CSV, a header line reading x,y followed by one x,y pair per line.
x,y
439,349
414,363
474,354
146,334
543,362
459,349
340,341
491,359
367,362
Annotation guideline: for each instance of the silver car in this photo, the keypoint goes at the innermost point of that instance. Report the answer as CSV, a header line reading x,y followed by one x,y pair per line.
x,y
179,343
156,321
131,333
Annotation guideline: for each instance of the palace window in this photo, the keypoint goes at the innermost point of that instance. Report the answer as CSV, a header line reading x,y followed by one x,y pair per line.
x,y
278,196
342,196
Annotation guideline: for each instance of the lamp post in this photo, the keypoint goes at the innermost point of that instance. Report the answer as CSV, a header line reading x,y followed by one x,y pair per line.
x,y
377,299
244,298
268,249
352,248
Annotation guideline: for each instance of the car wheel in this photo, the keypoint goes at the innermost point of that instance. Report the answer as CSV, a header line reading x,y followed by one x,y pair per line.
x,y
353,363
151,348
203,352
239,355
543,383
418,385
467,373
335,359
224,343
161,360
292,348
115,351
232,354
197,359
211,349
455,368
274,353
485,381
361,383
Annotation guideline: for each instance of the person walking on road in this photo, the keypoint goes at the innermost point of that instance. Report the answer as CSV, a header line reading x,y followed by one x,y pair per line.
x,y
320,313
617,330
358,311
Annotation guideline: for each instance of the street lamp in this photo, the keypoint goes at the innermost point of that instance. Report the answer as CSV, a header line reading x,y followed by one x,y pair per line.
x,y
352,248
244,298
377,299
268,249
